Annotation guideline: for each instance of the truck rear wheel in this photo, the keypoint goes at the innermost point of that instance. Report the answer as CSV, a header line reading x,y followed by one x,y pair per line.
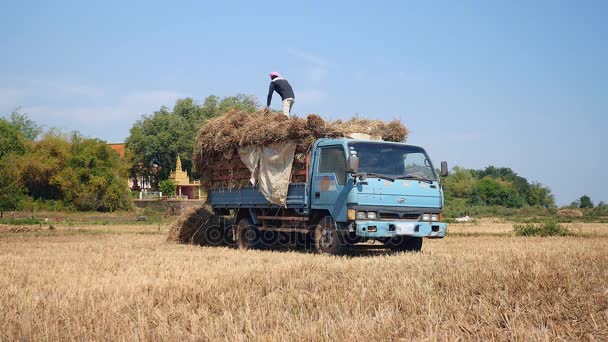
x,y
247,234
404,244
327,238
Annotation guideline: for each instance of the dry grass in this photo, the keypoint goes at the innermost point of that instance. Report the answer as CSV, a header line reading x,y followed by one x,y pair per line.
x,y
138,287
490,226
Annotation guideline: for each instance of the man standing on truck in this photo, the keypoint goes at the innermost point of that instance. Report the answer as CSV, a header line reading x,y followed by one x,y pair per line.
x,y
281,86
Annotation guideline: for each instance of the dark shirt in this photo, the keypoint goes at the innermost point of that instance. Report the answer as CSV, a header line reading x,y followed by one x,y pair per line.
x,y
281,86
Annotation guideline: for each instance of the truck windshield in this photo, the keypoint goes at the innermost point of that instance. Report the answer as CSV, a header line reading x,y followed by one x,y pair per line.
x,y
395,161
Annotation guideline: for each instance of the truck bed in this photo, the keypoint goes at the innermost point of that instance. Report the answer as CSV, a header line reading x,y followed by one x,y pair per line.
x,y
251,197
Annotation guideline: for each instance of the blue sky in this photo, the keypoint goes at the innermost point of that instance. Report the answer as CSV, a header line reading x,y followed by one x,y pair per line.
x,y
521,84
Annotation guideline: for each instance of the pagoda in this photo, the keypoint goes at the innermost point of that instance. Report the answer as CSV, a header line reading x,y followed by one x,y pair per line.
x,y
183,186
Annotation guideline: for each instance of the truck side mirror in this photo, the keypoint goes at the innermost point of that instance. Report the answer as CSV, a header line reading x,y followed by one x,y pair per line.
x,y
353,164
444,169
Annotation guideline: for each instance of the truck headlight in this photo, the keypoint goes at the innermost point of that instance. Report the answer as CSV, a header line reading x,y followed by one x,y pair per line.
x,y
361,215
371,215
434,217
426,217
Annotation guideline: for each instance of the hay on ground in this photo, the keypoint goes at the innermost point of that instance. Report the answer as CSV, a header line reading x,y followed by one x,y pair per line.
x,y
570,213
4,228
197,226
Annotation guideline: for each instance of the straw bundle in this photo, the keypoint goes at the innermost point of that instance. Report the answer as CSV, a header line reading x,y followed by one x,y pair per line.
x,y
220,137
569,213
193,226
18,229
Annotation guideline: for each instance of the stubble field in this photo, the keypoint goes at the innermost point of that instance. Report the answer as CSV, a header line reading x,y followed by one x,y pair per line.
x,y
127,283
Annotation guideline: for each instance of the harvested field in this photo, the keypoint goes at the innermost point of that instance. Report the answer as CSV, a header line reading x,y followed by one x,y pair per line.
x,y
490,226
119,285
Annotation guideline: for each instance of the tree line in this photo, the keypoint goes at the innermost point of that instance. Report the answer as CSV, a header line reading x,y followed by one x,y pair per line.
x,y
53,170
49,169
157,139
495,186
68,171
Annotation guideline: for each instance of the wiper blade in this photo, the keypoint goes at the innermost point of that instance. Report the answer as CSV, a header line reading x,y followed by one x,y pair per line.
x,y
420,178
378,175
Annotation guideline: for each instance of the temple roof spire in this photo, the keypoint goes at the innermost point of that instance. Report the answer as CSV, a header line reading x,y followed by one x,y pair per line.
x,y
178,164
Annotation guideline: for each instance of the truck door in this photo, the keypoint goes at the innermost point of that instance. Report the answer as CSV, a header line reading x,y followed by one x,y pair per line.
x,y
328,181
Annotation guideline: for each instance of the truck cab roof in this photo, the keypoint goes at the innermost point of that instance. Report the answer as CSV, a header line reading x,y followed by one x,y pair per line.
x,y
343,141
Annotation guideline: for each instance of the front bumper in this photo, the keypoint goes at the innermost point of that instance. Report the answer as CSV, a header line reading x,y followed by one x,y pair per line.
x,y
383,229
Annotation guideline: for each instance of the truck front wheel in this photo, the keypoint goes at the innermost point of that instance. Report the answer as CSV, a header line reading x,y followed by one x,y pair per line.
x,y
327,238
404,244
247,234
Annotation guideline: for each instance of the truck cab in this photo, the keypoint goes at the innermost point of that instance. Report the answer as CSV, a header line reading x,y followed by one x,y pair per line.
x,y
378,190
355,191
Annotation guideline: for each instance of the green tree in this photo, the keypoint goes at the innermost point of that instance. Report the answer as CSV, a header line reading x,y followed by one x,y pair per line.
x,y
41,163
601,209
210,107
489,191
93,178
520,184
85,174
460,183
243,102
11,192
11,139
163,135
585,202
160,138
167,187
28,127
540,195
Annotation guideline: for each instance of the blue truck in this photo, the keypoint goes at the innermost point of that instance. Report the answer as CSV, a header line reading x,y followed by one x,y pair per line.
x,y
354,191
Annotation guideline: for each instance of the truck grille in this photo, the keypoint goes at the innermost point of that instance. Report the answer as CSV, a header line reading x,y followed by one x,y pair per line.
x,y
399,216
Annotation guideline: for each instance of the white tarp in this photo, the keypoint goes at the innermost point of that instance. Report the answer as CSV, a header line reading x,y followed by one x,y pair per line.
x,y
250,156
270,167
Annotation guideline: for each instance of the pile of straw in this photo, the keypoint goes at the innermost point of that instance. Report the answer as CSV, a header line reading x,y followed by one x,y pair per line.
x,y
226,133
197,226
4,228
569,213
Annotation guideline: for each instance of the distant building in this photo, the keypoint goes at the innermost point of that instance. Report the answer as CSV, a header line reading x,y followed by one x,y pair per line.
x,y
118,147
184,188
134,183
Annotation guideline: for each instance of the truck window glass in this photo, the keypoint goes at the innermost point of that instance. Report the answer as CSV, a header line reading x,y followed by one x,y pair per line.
x,y
333,161
393,160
